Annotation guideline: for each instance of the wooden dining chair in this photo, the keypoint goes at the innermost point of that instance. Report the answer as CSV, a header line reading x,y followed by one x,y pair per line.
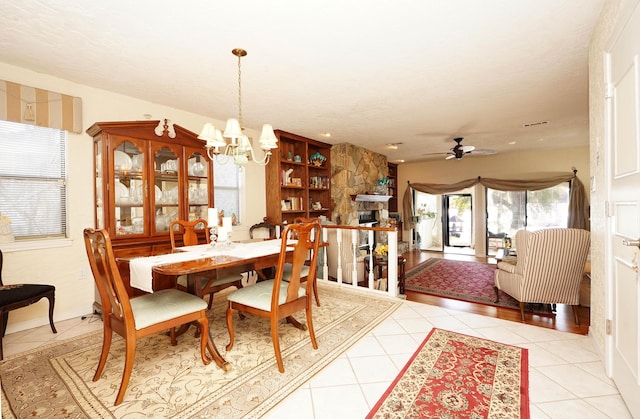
x,y
208,283
185,233
137,317
15,296
276,299
271,229
305,268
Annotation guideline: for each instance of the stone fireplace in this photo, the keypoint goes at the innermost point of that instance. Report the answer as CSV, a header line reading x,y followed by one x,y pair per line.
x,y
355,171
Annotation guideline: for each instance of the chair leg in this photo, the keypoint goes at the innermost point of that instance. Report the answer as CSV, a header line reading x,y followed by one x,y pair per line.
x,y
315,292
276,344
130,354
172,335
230,327
3,326
312,333
521,304
52,300
5,320
106,345
575,314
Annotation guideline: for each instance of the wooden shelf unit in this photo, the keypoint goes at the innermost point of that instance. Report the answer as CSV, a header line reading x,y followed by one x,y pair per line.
x,y
393,187
295,186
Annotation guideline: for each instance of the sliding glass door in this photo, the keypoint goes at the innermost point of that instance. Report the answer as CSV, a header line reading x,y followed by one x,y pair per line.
x,y
510,211
444,221
458,225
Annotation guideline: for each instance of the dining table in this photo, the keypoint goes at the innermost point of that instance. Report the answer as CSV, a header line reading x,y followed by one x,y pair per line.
x,y
153,273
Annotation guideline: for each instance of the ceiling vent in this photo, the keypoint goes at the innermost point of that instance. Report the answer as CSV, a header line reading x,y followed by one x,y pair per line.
x,y
533,124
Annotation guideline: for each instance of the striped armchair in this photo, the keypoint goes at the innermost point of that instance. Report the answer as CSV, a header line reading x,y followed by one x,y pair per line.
x,y
549,267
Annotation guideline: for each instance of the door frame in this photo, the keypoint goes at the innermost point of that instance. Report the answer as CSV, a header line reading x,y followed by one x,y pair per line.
x,y
609,228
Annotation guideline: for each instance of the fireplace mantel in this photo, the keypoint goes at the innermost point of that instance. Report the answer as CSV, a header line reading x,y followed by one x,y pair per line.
x,y
370,198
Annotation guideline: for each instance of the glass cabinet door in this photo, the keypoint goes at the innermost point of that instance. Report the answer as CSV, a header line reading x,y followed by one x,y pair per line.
x,y
129,193
99,192
198,186
166,188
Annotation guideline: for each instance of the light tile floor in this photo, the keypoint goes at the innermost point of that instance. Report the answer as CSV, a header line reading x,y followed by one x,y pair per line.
x,y
566,377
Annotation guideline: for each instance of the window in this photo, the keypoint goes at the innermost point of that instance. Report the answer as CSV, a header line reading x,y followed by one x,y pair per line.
x,y
33,193
510,211
226,190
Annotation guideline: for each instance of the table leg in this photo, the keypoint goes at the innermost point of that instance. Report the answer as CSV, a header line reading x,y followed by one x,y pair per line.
x,y
211,346
292,321
216,357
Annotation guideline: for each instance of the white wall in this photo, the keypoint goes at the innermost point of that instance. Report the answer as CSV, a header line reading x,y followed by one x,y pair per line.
x,y
502,166
61,266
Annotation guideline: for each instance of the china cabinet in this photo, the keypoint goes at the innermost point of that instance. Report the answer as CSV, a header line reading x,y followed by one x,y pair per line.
x,y
298,179
148,174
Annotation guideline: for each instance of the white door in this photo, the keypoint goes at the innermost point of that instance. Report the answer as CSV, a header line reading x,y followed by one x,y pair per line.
x,y
624,197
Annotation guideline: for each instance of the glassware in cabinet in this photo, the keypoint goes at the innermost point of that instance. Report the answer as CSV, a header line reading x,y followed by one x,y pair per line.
x,y
198,185
128,187
166,187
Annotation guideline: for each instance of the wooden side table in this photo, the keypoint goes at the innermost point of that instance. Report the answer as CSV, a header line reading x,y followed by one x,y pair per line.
x,y
381,263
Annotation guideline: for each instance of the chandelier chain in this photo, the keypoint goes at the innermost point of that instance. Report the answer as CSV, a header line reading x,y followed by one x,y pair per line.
x,y
239,91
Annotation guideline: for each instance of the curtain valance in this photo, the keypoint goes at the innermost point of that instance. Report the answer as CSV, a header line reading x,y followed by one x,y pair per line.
x,y
578,204
30,105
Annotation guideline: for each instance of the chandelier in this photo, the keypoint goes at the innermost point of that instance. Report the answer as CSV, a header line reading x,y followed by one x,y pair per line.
x,y
232,144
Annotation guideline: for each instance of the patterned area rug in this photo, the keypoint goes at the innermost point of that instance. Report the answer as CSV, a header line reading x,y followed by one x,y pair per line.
x,y
466,281
458,376
172,382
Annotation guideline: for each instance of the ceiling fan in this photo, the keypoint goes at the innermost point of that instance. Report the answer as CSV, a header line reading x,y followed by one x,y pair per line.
x,y
459,150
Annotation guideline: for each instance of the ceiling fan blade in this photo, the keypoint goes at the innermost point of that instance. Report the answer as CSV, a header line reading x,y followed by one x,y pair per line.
x,y
483,152
467,148
450,156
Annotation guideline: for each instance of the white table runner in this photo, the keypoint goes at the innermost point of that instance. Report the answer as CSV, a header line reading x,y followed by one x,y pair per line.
x,y
141,269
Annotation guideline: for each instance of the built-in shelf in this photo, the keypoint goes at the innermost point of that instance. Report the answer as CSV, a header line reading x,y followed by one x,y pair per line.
x,y
298,179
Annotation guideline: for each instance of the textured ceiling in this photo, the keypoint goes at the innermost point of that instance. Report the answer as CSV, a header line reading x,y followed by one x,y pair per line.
x,y
371,73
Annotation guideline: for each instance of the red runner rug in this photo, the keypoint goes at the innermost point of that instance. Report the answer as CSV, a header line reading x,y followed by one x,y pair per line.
x,y
452,375
466,281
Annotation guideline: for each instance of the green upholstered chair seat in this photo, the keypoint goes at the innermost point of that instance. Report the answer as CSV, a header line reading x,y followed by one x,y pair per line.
x,y
259,295
164,305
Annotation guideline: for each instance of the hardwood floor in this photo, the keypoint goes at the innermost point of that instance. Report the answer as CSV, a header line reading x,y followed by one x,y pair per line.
x,y
562,320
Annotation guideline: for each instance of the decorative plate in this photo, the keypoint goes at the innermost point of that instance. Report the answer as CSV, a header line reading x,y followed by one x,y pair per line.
x,y
121,160
122,193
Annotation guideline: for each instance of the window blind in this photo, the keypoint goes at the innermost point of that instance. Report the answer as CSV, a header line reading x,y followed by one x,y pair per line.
x,y
33,176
